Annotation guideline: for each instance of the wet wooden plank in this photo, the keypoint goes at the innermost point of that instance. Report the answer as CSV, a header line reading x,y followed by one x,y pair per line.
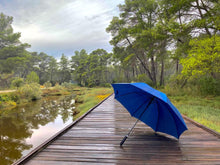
x,y
95,140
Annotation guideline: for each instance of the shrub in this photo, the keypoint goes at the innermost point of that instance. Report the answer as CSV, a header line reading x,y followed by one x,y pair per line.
x,y
108,85
4,98
9,100
145,79
17,82
58,87
47,84
32,77
209,85
68,85
30,91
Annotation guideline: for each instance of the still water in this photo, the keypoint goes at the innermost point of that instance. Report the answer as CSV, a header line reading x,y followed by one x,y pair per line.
x,y
24,128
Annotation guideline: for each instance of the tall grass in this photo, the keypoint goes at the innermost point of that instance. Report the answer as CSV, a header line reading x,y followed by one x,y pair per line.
x,y
203,109
91,97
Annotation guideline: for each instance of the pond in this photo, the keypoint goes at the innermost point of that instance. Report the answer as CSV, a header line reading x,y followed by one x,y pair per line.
x,y
24,128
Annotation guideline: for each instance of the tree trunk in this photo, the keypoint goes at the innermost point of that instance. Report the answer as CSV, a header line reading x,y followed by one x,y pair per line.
x,y
162,73
202,16
141,61
177,66
153,71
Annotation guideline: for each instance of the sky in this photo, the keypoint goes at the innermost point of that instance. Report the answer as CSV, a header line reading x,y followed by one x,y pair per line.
x,y
62,26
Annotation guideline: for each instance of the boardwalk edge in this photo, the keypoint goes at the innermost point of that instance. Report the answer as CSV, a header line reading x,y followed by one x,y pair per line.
x,y
54,137
202,126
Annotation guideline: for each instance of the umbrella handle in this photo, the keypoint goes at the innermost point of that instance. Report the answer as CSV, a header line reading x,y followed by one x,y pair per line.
x,y
123,140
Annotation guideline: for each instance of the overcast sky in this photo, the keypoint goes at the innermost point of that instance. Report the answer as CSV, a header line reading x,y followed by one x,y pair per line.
x,y
62,26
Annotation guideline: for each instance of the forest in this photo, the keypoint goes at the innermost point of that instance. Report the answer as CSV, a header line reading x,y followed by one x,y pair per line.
x,y
163,43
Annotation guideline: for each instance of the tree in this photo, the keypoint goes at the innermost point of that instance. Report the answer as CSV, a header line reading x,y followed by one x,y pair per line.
x,y
13,55
7,37
98,61
147,31
64,68
137,33
53,67
79,65
32,78
43,67
203,59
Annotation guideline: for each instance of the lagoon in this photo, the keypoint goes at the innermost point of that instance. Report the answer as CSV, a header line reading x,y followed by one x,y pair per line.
x,y
25,127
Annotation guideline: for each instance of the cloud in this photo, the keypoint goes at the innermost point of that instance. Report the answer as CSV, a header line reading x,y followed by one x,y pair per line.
x,y
56,26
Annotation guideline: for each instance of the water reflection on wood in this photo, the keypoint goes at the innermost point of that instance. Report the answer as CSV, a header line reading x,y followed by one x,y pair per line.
x,y
24,128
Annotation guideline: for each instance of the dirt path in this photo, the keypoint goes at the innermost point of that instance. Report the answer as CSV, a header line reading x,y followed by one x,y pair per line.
x,y
7,91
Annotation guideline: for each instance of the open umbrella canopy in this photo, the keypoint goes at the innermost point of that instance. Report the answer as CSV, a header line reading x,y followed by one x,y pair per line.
x,y
151,107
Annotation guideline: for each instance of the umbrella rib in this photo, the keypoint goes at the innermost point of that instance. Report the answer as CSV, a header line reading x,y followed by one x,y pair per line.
x,y
173,119
174,122
152,99
157,119
126,136
139,108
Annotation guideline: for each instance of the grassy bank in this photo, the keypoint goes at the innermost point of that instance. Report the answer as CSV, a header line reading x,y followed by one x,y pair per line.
x,y
89,97
28,93
86,98
203,109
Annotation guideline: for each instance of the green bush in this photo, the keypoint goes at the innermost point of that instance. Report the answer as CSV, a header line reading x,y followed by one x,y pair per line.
x,y
30,91
17,82
209,85
68,85
47,84
58,87
9,100
15,97
145,79
32,77
4,98
107,85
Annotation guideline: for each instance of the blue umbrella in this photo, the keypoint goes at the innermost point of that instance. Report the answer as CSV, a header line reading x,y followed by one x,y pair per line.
x,y
151,107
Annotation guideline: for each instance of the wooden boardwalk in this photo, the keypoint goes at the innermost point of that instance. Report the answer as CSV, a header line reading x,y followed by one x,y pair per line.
x,y
95,140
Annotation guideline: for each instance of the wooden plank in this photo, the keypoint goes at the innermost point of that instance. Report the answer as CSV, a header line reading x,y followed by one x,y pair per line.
x,y
54,137
95,140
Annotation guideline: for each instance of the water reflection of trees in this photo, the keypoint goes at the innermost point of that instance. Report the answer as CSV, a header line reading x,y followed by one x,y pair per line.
x,y
17,124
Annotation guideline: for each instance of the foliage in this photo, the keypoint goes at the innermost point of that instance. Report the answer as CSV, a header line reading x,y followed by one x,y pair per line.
x,y
90,70
203,59
144,78
209,86
5,80
9,100
188,90
205,110
58,86
64,68
17,82
53,70
13,54
152,42
47,84
30,91
69,86
32,78
91,97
